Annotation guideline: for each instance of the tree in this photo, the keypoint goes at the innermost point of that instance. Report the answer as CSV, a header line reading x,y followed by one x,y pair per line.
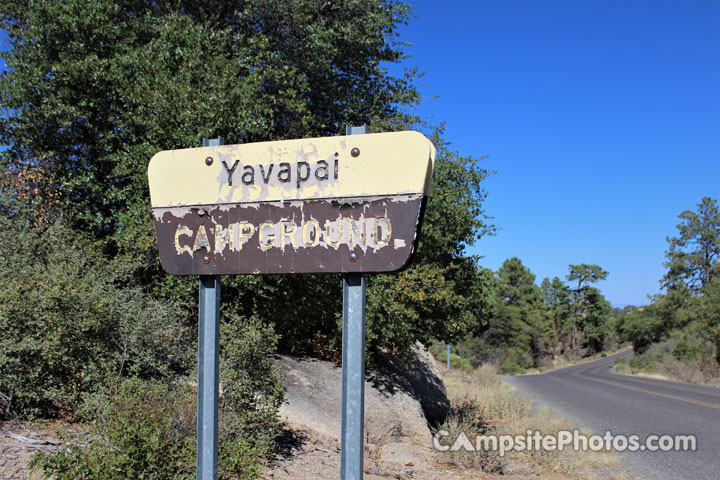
x,y
655,322
596,315
96,87
690,302
584,275
558,304
454,217
692,256
518,319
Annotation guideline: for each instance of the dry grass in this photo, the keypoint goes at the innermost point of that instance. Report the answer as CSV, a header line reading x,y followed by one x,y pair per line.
x,y
483,404
700,372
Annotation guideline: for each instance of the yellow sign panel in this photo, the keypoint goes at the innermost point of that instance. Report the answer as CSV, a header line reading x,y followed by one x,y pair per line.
x,y
378,164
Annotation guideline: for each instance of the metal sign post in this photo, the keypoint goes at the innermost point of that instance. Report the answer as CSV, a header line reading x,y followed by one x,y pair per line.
x,y
208,369
353,369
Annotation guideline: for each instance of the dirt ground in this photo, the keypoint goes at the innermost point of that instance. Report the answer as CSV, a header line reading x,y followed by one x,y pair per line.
x,y
20,441
310,456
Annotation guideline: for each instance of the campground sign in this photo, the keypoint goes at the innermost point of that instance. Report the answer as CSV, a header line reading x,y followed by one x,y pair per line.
x,y
350,204
333,204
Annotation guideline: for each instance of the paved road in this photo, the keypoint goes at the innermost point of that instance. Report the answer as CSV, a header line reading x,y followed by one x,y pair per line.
x,y
598,399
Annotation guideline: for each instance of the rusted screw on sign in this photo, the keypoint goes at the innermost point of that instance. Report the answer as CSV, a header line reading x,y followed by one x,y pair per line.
x,y
206,259
355,152
208,161
353,257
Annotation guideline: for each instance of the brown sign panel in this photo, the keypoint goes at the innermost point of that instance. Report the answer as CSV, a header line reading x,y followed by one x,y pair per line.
x,y
358,234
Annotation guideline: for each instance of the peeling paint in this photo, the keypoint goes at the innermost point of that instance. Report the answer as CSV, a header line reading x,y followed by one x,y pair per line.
x,y
293,236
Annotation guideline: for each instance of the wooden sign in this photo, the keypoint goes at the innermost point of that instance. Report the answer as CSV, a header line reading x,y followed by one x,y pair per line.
x,y
332,204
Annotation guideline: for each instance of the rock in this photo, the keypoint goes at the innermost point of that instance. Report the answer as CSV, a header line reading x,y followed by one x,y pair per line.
x,y
400,401
406,454
421,380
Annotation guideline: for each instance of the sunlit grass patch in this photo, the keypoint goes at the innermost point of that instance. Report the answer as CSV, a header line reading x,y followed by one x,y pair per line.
x,y
482,404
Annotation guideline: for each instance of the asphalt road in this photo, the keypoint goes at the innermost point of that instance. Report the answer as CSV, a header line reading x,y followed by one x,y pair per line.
x,y
600,400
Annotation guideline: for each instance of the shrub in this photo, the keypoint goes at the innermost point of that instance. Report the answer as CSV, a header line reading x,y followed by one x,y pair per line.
x,y
252,392
466,418
509,360
685,356
621,365
486,376
516,361
147,429
70,325
692,346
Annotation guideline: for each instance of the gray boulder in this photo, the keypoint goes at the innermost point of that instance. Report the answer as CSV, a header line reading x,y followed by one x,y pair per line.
x,y
402,401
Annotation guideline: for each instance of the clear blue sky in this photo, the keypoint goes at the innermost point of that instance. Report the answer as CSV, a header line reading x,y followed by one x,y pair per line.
x,y
601,118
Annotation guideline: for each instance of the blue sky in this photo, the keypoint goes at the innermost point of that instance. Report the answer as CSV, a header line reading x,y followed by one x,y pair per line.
x,y
601,118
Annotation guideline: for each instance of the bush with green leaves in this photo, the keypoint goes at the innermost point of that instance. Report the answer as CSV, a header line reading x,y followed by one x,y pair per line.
x,y
686,355
71,327
252,391
146,429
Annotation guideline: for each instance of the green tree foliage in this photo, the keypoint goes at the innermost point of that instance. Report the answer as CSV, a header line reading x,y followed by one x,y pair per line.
x,y
518,320
423,303
583,297
595,319
677,310
454,218
693,256
557,301
709,309
579,316
529,324
70,328
444,295
654,322
93,89
97,87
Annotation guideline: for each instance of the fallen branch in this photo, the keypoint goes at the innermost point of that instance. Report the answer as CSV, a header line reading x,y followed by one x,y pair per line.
x,y
32,441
